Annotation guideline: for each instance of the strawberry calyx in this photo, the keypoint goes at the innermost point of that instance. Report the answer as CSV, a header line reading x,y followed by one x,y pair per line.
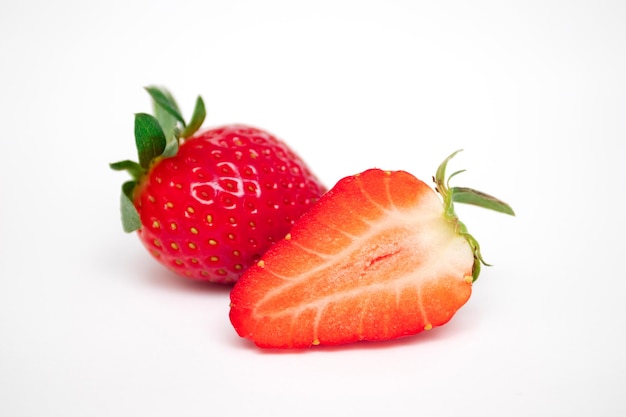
x,y
156,137
466,195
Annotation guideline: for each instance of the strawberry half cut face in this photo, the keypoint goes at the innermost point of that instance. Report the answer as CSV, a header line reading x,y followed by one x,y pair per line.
x,y
380,256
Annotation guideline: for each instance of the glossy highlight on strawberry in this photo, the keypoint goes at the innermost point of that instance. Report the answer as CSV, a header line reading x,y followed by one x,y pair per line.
x,y
207,204
380,256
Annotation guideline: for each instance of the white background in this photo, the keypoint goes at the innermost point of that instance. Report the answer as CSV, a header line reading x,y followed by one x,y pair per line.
x,y
533,91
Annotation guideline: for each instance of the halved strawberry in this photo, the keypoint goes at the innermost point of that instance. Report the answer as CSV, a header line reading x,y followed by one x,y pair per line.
x,y
378,257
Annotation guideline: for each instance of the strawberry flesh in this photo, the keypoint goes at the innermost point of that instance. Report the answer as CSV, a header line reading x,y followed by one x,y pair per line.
x,y
375,258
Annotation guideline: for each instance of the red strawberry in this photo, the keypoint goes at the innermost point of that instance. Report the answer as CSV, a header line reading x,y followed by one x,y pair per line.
x,y
207,205
377,257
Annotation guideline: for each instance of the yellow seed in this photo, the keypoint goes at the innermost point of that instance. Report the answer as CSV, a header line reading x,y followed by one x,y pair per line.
x,y
209,218
236,253
428,326
221,272
231,236
190,210
261,264
238,267
288,236
315,342
192,245
194,261
252,224
156,224
151,199
173,226
169,205
157,243
469,279
214,258
232,220
212,242
174,246
178,262
194,230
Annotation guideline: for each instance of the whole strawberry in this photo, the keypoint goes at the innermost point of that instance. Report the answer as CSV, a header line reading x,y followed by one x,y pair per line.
x,y
208,204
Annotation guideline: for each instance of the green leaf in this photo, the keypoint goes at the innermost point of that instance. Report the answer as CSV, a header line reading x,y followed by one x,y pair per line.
x,y
478,198
168,123
171,149
199,114
130,216
440,176
133,168
149,138
164,99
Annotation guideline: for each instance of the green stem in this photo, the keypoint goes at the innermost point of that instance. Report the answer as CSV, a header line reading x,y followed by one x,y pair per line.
x,y
466,195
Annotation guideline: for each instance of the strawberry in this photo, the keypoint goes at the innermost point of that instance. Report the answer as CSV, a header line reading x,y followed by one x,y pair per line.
x,y
378,257
207,204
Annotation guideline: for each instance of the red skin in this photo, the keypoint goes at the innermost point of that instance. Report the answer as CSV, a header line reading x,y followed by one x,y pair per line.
x,y
214,208
374,259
